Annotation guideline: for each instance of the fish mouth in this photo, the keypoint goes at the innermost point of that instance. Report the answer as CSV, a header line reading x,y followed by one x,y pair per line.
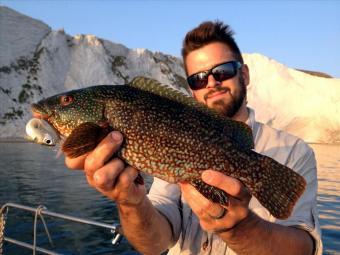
x,y
39,112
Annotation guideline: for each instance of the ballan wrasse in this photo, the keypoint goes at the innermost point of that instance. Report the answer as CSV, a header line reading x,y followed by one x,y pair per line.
x,y
170,136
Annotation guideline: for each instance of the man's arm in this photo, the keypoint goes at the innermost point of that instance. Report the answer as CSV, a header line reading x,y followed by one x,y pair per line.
x,y
243,231
142,223
145,228
257,236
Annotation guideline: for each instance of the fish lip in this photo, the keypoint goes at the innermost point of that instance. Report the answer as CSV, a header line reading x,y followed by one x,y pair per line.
x,y
39,112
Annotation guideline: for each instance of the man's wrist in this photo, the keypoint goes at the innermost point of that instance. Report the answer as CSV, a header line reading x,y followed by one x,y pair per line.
x,y
239,229
126,209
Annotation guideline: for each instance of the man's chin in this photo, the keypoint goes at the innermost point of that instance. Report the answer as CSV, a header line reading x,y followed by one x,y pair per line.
x,y
222,108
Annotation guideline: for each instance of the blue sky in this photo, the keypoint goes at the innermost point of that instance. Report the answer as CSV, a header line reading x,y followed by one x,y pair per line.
x,y
301,34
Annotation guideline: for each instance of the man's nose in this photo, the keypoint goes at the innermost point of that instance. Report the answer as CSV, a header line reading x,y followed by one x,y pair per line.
x,y
212,82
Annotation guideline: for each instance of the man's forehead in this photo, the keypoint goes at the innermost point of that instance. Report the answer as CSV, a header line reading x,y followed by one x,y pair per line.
x,y
208,56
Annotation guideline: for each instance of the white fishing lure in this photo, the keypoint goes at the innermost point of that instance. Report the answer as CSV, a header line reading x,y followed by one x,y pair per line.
x,y
40,131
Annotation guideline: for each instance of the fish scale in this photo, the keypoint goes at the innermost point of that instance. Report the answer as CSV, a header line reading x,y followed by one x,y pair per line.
x,y
172,137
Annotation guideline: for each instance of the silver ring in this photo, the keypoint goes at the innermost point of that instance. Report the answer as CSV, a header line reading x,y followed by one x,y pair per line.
x,y
220,216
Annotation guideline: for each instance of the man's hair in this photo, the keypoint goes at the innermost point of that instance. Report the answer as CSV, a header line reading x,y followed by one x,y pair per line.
x,y
210,32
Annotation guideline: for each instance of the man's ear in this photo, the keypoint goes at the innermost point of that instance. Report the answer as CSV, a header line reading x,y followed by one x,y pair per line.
x,y
245,74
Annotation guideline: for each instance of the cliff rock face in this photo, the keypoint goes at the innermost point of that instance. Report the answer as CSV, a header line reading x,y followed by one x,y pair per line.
x,y
305,105
37,62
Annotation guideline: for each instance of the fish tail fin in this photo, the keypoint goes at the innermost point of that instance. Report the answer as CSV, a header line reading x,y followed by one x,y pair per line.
x,y
278,187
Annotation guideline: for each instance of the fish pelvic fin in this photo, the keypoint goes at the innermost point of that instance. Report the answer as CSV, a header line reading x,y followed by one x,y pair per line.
x,y
212,193
84,139
278,188
139,179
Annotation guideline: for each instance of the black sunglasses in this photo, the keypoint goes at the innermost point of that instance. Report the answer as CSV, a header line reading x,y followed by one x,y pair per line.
x,y
220,73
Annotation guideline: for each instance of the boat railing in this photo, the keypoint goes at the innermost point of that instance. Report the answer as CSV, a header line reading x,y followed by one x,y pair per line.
x,y
39,212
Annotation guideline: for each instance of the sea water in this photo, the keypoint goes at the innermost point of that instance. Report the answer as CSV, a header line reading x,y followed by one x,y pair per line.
x,y
31,175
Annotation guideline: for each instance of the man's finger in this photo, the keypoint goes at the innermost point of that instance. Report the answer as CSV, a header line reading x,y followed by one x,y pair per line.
x,y
103,152
200,205
105,177
75,163
126,179
229,184
192,196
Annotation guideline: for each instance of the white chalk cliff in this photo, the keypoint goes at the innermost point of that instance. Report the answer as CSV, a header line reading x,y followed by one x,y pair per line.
x,y
37,62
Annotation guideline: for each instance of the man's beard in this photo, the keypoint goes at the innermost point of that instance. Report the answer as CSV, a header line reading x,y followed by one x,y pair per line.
x,y
231,108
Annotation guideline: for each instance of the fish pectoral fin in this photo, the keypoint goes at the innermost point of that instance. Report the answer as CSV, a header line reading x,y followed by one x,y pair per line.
x,y
139,179
212,193
84,138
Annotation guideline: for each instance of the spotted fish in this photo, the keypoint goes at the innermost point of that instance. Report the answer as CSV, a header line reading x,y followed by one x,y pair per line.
x,y
172,137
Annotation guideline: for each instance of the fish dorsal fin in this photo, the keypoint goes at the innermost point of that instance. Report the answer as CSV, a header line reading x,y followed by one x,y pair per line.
x,y
240,131
161,89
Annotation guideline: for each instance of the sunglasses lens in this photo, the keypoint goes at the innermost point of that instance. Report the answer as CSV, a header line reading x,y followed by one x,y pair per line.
x,y
198,81
221,72
224,72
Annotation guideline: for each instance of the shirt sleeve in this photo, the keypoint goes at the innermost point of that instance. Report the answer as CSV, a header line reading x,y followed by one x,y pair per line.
x,y
305,214
166,198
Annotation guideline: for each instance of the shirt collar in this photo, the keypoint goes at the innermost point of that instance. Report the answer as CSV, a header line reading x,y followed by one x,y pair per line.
x,y
251,118
251,122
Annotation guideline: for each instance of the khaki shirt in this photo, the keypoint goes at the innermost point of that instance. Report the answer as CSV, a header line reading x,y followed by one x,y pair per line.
x,y
289,150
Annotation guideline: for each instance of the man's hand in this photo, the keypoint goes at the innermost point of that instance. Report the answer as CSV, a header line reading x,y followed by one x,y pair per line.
x,y
116,181
241,229
110,176
207,211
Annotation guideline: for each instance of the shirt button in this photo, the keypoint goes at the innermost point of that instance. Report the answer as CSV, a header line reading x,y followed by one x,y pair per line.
x,y
205,245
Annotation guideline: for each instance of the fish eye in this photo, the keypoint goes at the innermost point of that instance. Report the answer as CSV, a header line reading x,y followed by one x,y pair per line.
x,y
66,100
